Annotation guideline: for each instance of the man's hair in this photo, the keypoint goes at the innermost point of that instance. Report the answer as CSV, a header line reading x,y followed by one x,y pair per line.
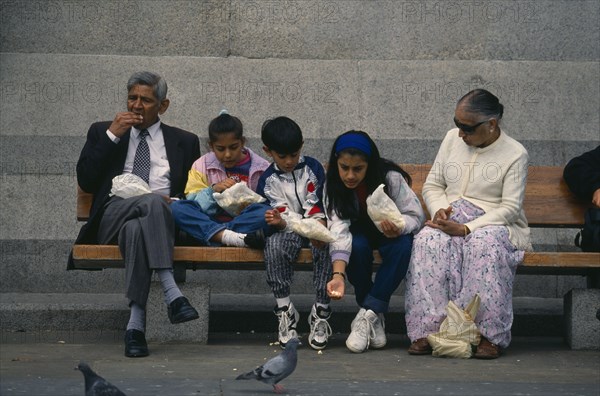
x,y
153,80
282,135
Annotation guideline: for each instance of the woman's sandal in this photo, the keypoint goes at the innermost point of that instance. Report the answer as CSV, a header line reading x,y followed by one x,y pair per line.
x,y
487,350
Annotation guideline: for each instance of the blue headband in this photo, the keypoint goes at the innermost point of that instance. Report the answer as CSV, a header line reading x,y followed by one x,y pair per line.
x,y
355,141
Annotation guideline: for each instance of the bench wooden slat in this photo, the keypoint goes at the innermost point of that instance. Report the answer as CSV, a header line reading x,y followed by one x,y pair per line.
x,y
562,259
191,254
548,200
84,204
83,254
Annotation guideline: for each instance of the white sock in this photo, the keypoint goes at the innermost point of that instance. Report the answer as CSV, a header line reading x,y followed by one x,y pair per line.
x,y
232,238
283,302
324,306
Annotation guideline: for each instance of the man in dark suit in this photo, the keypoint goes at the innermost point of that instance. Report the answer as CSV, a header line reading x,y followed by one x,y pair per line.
x,y
135,141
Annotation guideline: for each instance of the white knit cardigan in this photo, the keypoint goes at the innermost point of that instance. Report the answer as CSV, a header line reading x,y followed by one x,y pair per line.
x,y
493,178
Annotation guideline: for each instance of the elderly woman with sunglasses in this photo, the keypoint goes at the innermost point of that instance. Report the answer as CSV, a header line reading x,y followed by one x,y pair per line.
x,y
478,232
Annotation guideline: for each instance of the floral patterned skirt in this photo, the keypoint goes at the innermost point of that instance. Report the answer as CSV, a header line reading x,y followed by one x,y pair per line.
x,y
445,267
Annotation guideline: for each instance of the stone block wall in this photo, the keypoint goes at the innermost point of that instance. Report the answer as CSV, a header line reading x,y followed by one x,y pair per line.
x,y
392,68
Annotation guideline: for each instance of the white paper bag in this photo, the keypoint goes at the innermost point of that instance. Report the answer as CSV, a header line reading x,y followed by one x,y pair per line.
x,y
458,333
236,198
381,207
311,229
129,185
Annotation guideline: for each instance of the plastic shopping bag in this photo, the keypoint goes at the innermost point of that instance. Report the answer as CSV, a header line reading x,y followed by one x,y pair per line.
x,y
311,228
129,185
236,198
458,334
381,207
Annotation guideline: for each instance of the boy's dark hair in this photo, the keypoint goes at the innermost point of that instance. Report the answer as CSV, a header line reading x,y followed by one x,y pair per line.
x,y
225,123
282,135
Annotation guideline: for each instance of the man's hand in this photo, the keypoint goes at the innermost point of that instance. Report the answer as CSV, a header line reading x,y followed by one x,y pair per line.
x,y
169,199
596,198
123,121
223,185
273,218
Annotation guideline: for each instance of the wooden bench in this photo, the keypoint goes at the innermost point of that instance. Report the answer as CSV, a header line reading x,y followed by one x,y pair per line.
x,y
548,204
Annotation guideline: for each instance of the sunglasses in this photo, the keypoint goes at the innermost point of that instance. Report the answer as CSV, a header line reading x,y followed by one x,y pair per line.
x,y
468,129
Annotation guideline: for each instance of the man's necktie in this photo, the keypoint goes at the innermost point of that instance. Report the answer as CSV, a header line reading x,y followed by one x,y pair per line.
x,y
141,161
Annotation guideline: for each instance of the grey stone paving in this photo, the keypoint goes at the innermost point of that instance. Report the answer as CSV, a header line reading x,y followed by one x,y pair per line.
x,y
531,366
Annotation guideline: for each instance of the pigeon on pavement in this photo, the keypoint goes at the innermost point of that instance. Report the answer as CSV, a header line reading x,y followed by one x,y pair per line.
x,y
276,368
96,385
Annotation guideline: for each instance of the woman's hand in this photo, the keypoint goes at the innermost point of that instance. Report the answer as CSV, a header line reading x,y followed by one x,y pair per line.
x,y
336,287
390,230
449,227
442,214
223,185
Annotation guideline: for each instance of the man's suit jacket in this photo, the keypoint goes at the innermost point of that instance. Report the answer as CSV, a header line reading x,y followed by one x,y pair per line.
x,y
101,160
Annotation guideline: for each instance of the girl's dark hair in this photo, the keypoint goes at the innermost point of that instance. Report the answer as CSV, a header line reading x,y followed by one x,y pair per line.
x,y
282,135
481,101
340,198
225,123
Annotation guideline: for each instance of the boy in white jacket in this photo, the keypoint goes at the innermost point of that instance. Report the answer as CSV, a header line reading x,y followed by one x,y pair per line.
x,y
293,185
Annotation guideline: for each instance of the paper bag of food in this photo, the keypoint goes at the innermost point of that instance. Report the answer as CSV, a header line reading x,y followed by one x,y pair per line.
x,y
236,198
129,185
311,229
381,207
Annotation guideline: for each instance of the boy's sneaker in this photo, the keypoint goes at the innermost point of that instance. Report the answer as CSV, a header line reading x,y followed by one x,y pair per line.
x,y
379,339
255,240
319,327
288,320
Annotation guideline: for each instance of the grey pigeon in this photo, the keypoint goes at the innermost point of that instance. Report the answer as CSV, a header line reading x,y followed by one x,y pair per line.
x,y
276,368
96,385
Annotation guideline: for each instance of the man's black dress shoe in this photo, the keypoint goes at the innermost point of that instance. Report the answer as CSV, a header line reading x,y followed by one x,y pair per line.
x,y
135,344
180,310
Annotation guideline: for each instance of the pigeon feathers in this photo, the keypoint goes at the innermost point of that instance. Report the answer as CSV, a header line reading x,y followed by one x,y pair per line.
x,y
276,368
96,385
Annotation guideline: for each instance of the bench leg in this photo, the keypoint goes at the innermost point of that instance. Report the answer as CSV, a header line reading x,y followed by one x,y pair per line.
x,y
593,280
160,329
583,328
